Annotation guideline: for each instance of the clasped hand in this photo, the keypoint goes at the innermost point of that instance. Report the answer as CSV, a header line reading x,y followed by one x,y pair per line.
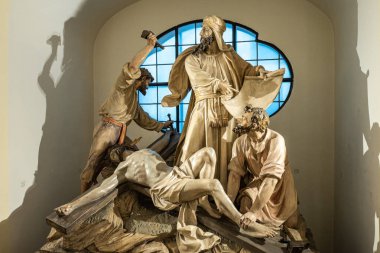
x,y
151,40
225,89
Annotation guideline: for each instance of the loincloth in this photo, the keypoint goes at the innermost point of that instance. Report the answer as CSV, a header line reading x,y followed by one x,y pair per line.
x,y
166,193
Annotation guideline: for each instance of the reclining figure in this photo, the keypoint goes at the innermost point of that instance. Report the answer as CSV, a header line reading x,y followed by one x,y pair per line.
x,y
170,187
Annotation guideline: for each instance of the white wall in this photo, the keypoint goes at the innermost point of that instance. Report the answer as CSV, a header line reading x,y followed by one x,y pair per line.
x,y
29,126
303,33
357,132
46,115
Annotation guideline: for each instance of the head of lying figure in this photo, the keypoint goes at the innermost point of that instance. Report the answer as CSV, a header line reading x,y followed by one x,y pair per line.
x,y
115,155
254,119
119,153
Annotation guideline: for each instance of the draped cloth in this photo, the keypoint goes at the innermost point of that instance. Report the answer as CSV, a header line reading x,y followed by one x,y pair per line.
x,y
165,195
206,119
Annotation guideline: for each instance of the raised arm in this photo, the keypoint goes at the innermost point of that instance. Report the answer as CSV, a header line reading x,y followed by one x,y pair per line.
x,y
142,54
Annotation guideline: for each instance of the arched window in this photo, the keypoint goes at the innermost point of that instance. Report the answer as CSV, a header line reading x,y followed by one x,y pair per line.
x,y
245,42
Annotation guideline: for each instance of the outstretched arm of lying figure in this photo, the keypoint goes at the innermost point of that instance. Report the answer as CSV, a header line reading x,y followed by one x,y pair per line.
x,y
107,186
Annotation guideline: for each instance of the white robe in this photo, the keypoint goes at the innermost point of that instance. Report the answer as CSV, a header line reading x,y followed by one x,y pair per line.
x,y
209,119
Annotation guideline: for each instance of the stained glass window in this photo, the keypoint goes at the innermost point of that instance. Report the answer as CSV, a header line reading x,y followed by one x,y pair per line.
x,y
245,42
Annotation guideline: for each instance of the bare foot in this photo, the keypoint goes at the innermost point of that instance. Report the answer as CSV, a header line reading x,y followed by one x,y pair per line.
x,y
203,202
259,231
64,210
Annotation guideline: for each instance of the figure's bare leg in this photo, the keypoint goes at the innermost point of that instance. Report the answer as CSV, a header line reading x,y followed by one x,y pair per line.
x,y
202,163
106,136
108,185
201,187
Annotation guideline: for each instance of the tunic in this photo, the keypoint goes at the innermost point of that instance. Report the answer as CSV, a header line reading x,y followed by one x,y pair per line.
x,y
263,159
122,105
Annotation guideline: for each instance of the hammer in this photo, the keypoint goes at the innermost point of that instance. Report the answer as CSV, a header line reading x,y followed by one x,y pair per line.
x,y
145,35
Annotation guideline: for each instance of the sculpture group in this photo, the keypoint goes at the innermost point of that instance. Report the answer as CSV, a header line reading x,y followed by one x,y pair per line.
x,y
227,162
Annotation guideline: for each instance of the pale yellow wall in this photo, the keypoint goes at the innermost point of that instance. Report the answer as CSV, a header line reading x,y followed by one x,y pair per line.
x,y
4,9
4,174
45,113
357,132
302,32
34,173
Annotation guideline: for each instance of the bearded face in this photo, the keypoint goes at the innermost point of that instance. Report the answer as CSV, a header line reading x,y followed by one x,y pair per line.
x,y
244,124
240,129
206,39
143,85
254,119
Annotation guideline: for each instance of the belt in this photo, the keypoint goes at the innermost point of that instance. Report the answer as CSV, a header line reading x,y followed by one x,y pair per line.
x,y
199,97
123,127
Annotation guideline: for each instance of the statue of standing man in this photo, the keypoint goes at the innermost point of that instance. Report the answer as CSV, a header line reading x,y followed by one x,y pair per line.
x,y
118,111
214,72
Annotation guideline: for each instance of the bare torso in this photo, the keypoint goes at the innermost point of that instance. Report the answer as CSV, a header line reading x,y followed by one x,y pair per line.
x,y
144,167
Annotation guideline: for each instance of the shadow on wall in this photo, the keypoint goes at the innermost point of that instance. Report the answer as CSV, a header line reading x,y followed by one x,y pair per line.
x,y
67,130
357,204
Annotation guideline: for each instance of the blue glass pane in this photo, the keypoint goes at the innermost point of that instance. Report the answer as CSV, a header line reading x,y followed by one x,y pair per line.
x,y
267,52
270,65
162,92
151,58
274,107
181,126
152,70
168,39
163,73
283,64
183,48
164,111
186,34
244,34
284,91
151,110
166,56
198,31
182,111
227,35
187,98
150,97
253,63
277,98
247,50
